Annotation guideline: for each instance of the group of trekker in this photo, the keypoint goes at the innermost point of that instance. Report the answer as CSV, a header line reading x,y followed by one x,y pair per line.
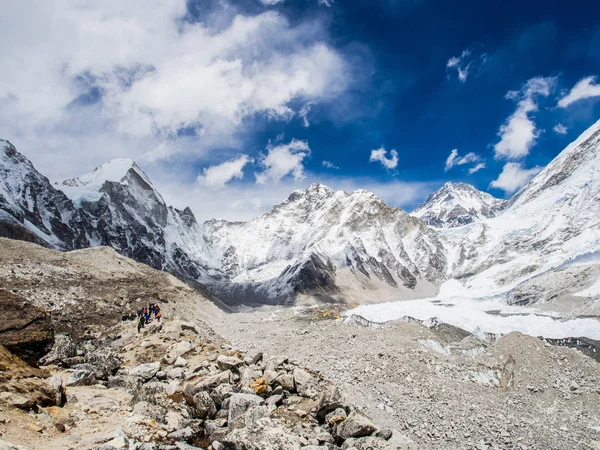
x,y
145,315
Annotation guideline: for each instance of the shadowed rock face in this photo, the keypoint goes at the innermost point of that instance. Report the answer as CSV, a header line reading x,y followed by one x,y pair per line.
x,y
25,330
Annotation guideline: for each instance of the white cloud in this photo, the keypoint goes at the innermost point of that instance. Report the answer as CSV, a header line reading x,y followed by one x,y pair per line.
x,y
514,176
216,177
585,88
519,133
476,168
328,3
381,156
329,165
124,79
271,2
460,64
454,160
303,113
282,160
559,128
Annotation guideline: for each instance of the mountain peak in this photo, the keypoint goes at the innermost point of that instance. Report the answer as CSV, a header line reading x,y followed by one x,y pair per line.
x,y
456,204
114,170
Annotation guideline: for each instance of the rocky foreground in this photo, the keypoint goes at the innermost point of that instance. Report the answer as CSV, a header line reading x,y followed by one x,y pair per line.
x,y
175,386
180,384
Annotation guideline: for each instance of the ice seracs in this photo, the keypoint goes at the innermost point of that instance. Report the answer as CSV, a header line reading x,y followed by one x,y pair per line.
x,y
456,204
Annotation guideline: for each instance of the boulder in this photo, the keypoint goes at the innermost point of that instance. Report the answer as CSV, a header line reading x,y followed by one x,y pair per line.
x,y
228,362
103,362
356,425
269,438
175,373
185,434
240,403
176,350
180,362
62,350
212,381
25,330
286,382
81,378
145,371
305,383
58,386
16,400
330,400
204,405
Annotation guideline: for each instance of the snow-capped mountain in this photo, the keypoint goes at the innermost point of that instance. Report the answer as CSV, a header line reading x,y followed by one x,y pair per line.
x,y
456,204
326,244
126,212
550,224
329,244
32,209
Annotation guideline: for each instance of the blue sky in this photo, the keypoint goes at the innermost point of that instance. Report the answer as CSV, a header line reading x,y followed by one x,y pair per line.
x,y
230,105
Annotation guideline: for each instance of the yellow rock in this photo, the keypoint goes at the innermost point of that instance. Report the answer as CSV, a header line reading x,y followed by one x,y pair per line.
x,y
260,386
34,428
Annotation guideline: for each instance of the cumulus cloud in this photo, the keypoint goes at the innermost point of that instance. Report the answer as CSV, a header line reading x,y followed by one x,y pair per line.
x,y
282,160
585,88
519,133
454,160
559,128
139,71
216,177
329,165
381,156
271,2
476,168
514,176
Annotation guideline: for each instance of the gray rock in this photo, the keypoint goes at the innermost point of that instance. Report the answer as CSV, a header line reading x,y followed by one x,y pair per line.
x,y
16,400
184,434
175,373
274,399
240,403
81,378
58,386
356,425
286,382
228,362
212,381
305,383
145,371
330,400
384,433
62,349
